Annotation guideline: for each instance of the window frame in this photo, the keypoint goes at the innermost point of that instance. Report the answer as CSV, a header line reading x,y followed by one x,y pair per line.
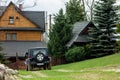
x,y
11,20
11,36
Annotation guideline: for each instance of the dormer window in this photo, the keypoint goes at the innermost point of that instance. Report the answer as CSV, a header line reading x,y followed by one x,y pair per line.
x,y
11,20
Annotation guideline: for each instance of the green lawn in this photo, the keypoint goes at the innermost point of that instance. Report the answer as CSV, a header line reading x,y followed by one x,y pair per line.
x,y
105,68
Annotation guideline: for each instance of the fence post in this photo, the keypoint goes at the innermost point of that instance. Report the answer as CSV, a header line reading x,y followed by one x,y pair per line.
x,y
17,64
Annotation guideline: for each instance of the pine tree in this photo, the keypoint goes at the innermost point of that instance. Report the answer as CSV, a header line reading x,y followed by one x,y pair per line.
x,y
75,11
102,37
59,35
118,25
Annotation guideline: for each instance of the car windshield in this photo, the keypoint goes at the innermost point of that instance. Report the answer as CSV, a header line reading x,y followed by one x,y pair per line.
x,y
37,50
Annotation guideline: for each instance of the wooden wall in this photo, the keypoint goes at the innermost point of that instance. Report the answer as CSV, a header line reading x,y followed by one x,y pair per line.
x,y
23,35
21,22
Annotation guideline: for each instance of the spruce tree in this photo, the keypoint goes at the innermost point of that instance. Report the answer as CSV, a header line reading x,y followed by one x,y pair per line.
x,y
59,35
102,37
118,25
75,11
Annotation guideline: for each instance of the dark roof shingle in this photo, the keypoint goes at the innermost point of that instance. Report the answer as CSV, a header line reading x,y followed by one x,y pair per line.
x,y
2,9
78,28
82,38
10,48
37,17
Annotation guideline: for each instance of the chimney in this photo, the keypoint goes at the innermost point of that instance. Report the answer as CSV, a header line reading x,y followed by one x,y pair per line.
x,y
20,6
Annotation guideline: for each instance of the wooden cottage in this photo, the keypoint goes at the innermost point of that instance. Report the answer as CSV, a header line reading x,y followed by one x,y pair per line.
x,y
80,34
20,30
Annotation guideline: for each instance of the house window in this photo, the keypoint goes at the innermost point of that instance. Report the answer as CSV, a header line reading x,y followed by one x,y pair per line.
x,y
17,18
11,36
8,36
11,20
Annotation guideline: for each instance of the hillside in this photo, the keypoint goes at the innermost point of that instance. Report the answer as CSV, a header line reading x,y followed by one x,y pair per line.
x,y
105,68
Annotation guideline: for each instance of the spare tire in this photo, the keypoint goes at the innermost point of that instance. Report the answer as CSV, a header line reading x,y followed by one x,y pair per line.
x,y
39,57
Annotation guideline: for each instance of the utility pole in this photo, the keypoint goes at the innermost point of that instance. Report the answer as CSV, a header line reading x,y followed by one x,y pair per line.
x,y
50,21
46,22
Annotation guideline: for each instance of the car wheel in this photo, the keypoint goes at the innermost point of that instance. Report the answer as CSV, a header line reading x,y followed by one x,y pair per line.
x,y
40,57
49,66
26,68
44,66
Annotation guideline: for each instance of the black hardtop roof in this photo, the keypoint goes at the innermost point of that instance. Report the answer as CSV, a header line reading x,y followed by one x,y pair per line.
x,y
37,48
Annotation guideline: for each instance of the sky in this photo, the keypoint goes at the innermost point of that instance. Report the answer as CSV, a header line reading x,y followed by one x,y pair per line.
x,y
51,6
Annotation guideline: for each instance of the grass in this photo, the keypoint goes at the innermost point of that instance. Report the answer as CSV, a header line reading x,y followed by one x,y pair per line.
x,y
105,68
98,62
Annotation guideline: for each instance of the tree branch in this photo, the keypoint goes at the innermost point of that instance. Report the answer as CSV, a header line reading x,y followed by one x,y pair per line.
x,y
90,4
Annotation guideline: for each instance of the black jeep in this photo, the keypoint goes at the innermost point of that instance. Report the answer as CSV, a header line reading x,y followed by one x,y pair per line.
x,y
37,57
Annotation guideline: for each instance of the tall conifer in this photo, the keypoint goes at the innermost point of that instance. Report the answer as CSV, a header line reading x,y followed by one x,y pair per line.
x,y
102,37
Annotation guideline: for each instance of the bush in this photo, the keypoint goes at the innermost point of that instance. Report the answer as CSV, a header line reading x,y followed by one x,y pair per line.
x,y
87,51
75,54
1,57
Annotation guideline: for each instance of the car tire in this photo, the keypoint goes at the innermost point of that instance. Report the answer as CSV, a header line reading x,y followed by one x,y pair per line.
x,y
26,68
39,57
44,67
49,66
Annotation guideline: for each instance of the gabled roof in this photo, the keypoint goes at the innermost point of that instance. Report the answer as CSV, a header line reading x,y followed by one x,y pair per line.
x,y
80,26
78,29
36,17
82,38
2,9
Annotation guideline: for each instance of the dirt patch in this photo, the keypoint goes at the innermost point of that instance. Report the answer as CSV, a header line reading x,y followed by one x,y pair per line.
x,y
87,76
111,68
104,69
39,74
62,70
26,76
17,65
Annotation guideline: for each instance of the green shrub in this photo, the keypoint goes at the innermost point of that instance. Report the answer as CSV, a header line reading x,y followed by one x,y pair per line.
x,y
1,57
75,54
87,51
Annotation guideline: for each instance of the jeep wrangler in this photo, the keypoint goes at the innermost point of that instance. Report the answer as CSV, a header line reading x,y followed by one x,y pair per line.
x,y
37,57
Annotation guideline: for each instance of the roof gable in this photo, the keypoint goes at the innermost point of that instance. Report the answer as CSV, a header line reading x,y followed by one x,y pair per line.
x,y
4,8
35,17
78,29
